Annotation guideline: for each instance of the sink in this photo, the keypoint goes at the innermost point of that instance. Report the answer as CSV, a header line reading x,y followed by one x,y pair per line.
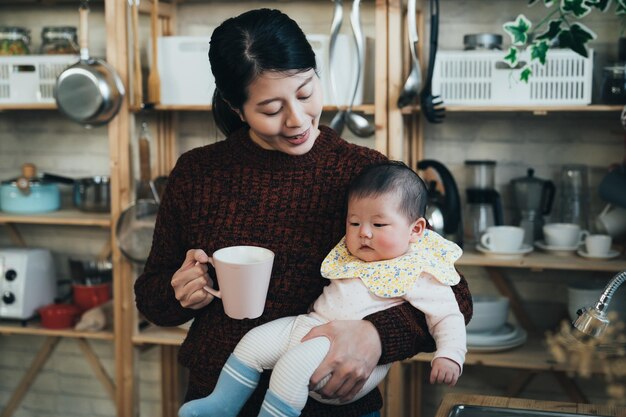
x,y
463,410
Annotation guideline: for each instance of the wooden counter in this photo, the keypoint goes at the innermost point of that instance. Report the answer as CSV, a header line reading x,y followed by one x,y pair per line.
x,y
450,400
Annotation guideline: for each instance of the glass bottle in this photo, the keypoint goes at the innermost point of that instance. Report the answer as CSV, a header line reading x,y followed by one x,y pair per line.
x,y
14,40
59,40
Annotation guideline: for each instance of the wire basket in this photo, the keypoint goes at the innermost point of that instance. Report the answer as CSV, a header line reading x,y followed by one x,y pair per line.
x,y
483,78
30,79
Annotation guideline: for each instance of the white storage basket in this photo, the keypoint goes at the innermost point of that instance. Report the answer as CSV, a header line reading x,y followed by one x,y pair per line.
x,y
483,78
30,79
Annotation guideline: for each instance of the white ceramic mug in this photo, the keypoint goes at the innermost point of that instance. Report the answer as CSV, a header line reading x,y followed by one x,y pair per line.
x,y
564,235
503,238
598,245
612,220
243,274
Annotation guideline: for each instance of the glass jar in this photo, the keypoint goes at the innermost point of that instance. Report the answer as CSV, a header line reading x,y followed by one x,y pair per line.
x,y
14,40
59,40
614,85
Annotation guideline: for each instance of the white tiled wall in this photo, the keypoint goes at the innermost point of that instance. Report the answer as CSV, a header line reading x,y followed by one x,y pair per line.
x,y
66,386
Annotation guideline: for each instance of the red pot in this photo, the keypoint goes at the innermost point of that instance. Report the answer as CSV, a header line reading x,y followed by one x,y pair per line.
x,y
89,296
59,316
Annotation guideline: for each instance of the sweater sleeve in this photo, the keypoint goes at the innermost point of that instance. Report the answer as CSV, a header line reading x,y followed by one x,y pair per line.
x,y
403,330
154,295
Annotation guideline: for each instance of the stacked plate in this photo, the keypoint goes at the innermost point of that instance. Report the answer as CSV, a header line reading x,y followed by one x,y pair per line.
x,y
506,337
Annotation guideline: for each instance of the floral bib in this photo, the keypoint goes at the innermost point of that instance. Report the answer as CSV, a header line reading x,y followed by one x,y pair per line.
x,y
392,278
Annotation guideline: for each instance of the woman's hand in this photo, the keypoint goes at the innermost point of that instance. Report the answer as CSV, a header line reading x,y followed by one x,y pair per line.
x,y
354,352
189,280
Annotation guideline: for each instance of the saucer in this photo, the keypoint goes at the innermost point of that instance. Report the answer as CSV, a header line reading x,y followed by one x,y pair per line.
x,y
610,255
505,254
506,337
556,250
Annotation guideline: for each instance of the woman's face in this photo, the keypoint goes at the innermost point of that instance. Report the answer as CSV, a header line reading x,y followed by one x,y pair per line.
x,y
283,111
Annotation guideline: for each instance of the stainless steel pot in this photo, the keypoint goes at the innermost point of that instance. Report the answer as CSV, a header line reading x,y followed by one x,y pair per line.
x,y
90,194
89,92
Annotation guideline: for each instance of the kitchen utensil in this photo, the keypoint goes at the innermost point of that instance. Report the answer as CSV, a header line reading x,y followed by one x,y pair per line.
x,y
14,40
339,121
154,80
86,297
28,281
59,316
484,205
135,226
503,238
358,124
443,211
137,76
574,196
59,40
482,41
612,220
432,105
490,313
532,199
89,92
89,194
414,81
614,84
29,194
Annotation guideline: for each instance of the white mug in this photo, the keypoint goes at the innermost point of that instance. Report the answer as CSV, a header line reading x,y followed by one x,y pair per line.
x,y
598,245
243,274
612,220
564,235
503,238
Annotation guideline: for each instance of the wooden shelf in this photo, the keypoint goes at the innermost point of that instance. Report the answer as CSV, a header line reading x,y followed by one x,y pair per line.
x,y
537,110
540,260
35,329
41,106
154,335
61,217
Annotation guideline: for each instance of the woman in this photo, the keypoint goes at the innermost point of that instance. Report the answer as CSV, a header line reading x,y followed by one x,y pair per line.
x,y
277,181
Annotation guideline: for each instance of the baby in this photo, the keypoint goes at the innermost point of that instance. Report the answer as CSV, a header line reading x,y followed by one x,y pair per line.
x,y
387,257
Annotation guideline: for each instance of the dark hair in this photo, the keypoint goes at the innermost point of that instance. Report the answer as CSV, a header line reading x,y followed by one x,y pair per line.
x,y
396,177
245,46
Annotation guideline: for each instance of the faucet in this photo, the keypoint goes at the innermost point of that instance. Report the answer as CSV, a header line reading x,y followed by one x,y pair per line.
x,y
593,321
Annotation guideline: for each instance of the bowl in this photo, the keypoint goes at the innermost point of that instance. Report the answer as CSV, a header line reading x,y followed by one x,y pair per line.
x,y
491,312
59,316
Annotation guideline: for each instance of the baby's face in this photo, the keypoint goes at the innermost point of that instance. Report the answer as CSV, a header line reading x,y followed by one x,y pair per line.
x,y
376,230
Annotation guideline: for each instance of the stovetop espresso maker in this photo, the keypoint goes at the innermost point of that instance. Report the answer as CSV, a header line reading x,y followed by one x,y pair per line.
x,y
532,199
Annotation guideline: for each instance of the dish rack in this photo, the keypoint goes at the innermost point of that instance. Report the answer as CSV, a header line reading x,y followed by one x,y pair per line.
x,y
30,79
483,78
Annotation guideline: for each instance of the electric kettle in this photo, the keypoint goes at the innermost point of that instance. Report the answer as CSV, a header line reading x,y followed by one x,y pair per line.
x,y
443,210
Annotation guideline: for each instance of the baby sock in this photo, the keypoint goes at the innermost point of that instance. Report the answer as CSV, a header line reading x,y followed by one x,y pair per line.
x,y
273,406
234,386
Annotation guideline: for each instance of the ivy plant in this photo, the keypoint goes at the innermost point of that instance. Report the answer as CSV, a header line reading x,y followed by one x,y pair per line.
x,y
562,24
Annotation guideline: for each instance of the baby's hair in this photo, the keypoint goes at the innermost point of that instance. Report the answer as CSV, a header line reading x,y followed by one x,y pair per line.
x,y
392,177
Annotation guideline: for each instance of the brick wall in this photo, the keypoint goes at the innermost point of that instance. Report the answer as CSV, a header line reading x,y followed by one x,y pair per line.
x,y
67,387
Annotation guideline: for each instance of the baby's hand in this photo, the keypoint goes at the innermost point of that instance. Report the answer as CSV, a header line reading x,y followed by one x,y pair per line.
x,y
445,371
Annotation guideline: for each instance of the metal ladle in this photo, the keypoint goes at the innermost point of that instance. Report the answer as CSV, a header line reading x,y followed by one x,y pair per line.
x,y
339,120
414,81
358,124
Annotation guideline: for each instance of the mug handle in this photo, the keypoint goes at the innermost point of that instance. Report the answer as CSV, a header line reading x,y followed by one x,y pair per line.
x,y
484,240
583,236
212,291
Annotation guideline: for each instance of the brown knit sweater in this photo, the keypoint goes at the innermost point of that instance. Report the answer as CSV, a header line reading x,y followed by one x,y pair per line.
x,y
235,193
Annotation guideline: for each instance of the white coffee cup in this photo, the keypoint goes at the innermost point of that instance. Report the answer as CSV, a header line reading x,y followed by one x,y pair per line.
x,y
564,235
598,245
503,238
243,274
612,220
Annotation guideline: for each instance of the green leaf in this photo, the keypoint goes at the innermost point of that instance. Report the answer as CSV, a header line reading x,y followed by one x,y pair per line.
x,y
601,5
512,57
554,27
621,7
548,3
525,74
576,37
578,7
518,30
538,51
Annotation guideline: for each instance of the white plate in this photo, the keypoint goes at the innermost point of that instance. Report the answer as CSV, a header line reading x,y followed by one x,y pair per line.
x,y
556,250
505,254
611,254
508,337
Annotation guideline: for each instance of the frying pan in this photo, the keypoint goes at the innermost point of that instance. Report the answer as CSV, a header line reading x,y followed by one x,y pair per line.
x,y
89,92
135,226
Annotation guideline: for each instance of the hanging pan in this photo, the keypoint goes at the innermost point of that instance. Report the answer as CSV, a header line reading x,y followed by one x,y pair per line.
x,y
89,92
135,226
